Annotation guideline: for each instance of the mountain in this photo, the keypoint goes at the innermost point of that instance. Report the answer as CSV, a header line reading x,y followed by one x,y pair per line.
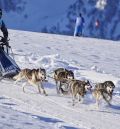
x,y
51,16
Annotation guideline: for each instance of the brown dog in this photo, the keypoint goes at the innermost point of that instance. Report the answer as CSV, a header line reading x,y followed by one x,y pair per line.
x,y
61,76
34,77
103,91
78,87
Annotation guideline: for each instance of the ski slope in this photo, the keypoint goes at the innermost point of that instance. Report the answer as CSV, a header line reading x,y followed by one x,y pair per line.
x,y
93,59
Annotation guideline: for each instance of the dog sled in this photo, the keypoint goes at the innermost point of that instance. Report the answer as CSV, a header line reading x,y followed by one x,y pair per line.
x,y
8,66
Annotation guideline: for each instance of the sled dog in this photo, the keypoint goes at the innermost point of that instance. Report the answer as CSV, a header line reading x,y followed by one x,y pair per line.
x,y
103,91
34,77
61,76
80,88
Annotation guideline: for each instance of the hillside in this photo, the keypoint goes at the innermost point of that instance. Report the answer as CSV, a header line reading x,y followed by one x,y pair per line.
x,y
92,59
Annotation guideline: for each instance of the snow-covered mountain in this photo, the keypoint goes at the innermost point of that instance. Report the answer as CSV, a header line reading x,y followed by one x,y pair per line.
x,y
54,16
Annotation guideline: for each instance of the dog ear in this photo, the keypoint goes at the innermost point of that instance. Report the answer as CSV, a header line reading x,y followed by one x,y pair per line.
x,y
86,81
112,84
39,69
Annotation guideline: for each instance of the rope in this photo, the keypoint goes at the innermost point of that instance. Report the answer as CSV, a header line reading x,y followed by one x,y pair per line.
x,y
12,53
21,55
50,77
63,79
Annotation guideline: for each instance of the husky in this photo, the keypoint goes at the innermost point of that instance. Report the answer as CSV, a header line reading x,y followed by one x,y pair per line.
x,y
103,91
61,76
34,77
80,88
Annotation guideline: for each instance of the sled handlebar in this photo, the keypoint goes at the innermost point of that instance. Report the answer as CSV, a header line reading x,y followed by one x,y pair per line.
x,y
4,43
3,38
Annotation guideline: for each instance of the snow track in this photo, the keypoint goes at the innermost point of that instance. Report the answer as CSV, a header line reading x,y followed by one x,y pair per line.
x,y
59,107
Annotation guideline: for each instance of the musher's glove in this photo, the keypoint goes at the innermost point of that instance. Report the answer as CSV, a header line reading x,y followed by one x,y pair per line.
x,y
4,40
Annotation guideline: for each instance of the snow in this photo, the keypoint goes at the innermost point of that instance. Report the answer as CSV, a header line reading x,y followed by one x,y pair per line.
x,y
93,59
101,4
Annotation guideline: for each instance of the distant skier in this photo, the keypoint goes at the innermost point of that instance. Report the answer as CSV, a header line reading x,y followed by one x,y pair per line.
x,y
97,28
3,29
97,23
79,25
